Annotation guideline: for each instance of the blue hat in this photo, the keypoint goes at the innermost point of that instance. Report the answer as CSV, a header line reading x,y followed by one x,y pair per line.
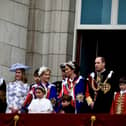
x,y
16,66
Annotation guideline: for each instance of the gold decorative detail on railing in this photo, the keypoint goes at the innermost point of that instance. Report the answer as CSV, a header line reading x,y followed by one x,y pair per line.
x,y
93,118
16,118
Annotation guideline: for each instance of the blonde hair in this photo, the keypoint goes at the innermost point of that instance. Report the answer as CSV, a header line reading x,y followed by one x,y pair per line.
x,y
42,70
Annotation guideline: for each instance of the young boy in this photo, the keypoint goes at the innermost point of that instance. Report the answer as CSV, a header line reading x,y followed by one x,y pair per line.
x,y
66,105
119,101
40,104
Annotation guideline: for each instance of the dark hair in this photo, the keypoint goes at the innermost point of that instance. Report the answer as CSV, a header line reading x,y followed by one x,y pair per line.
x,y
41,88
66,98
24,78
36,72
102,58
62,67
77,68
122,80
3,86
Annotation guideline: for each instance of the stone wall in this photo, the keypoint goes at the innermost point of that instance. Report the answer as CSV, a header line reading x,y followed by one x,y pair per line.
x,y
36,33
13,34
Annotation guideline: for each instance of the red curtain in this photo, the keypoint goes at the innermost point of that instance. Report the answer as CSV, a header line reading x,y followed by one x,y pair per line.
x,y
62,120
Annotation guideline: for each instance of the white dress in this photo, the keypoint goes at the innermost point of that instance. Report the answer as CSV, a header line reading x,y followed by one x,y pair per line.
x,y
16,93
42,105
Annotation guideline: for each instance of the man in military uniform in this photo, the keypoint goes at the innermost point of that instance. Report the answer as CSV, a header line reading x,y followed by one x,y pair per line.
x,y
100,88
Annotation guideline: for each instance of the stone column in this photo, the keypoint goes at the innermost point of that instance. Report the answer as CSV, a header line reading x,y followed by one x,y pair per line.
x,y
50,34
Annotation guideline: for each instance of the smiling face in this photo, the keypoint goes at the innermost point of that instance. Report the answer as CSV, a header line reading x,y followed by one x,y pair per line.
x,y
19,74
45,76
39,93
68,71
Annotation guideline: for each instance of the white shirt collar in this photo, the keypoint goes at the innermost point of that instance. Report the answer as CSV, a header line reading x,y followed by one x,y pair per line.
x,y
122,92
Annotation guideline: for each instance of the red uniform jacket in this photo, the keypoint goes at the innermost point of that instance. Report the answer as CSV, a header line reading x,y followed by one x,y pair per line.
x,y
119,104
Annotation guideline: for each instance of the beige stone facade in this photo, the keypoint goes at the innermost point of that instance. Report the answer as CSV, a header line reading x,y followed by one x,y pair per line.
x,y
36,33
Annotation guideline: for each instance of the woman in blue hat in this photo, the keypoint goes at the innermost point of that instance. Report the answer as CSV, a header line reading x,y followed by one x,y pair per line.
x,y
17,89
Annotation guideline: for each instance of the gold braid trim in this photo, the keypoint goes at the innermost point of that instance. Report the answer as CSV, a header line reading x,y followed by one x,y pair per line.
x,y
101,86
93,87
105,81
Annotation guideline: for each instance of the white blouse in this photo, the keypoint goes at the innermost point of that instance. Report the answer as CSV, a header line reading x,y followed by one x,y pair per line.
x,y
42,105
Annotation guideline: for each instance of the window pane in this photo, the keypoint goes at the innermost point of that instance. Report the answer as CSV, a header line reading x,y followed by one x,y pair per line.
x,y
95,11
122,12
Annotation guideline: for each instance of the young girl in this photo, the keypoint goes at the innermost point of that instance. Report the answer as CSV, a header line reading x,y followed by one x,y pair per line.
x,y
40,104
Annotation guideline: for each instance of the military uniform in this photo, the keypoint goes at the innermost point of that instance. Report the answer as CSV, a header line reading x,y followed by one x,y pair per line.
x,y
100,90
119,103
